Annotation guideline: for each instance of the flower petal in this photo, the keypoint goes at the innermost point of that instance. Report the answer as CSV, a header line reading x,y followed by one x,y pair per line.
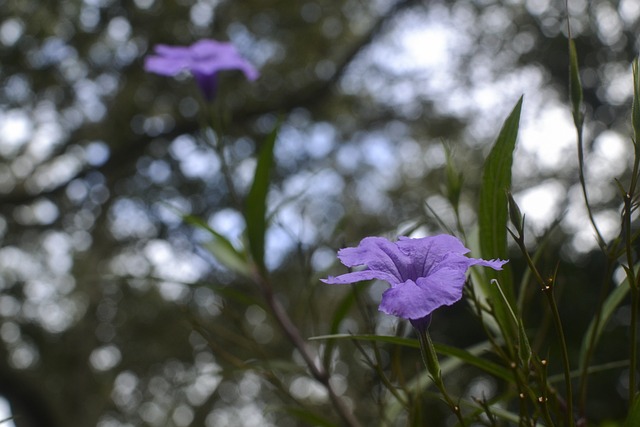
x,y
165,66
209,56
409,301
378,254
359,276
445,284
204,59
174,52
427,252
496,264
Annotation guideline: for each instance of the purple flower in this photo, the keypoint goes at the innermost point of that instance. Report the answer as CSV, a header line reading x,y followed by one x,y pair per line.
x,y
204,59
424,273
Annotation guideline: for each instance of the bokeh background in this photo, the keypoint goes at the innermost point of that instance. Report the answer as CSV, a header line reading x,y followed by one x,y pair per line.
x,y
112,310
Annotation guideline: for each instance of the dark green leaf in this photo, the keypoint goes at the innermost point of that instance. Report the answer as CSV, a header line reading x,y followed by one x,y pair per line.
x,y
308,417
407,342
575,86
635,106
591,337
340,313
464,355
445,350
493,212
633,418
256,203
221,248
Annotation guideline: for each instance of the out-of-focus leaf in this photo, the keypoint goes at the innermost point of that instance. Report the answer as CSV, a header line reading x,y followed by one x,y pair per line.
x,y
463,355
447,366
308,417
493,213
524,347
240,296
470,358
575,86
221,248
339,314
256,203
633,418
635,106
408,342
612,302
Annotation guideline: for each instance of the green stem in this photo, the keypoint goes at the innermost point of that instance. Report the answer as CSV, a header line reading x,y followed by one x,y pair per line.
x,y
430,359
541,369
215,140
548,291
583,184
633,346
632,279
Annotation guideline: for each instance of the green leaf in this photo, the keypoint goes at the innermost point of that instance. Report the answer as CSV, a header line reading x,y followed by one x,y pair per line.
x,y
469,357
407,342
341,311
524,347
590,339
493,213
635,106
308,417
575,86
485,365
451,364
256,203
633,418
221,248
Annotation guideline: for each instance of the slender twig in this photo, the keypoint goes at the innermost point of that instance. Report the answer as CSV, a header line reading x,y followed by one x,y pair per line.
x,y
213,135
293,334
583,184
547,289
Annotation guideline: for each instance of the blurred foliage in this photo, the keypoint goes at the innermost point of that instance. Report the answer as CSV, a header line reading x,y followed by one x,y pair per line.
x,y
111,311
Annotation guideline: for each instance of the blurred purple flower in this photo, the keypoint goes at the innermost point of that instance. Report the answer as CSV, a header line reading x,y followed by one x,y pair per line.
x,y
204,59
424,273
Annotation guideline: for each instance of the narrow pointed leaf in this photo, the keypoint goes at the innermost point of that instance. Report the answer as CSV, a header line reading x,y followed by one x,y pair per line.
x,y
463,355
633,418
221,248
635,106
308,417
591,338
524,347
256,203
493,212
340,313
575,86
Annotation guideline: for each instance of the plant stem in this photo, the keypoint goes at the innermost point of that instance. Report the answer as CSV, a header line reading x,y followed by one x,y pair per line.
x,y
293,334
548,291
633,351
583,184
430,359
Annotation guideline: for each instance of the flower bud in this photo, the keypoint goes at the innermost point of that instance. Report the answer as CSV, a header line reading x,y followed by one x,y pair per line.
x,y
515,215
